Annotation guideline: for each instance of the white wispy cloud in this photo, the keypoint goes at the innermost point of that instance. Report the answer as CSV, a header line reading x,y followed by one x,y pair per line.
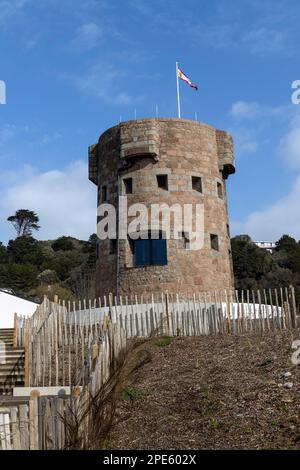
x,y
87,36
50,138
283,215
64,199
258,28
252,121
10,131
9,9
106,82
252,110
244,109
264,40
289,148
245,140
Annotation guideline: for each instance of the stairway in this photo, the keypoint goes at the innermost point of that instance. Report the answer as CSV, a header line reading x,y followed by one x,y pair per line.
x,y
11,363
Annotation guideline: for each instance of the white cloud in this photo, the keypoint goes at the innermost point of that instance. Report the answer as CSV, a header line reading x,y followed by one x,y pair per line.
x,y
270,223
262,41
9,131
10,8
249,138
252,110
244,109
105,81
65,200
283,216
290,145
50,138
87,36
245,140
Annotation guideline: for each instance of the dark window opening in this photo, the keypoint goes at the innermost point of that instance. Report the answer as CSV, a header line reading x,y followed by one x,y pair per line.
x,y
104,194
214,242
220,190
131,244
127,185
183,241
113,247
228,230
197,183
162,181
149,252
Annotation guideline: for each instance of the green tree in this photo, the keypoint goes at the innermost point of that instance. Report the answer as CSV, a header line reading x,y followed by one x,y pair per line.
x,y
63,244
19,277
286,243
65,261
3,254
250,263
90,247
24,222
25,250
48,276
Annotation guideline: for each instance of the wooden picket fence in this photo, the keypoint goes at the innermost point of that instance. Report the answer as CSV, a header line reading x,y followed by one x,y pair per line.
x,y
80,345
58,336
43,423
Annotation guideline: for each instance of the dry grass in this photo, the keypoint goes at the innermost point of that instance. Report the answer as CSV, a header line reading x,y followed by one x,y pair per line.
x,y
90,419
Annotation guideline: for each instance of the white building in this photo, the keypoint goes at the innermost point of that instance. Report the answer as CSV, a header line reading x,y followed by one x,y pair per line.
x,y
11,304
269,246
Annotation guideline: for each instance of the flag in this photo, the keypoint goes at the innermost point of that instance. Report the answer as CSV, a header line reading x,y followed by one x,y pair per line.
x,y
183,77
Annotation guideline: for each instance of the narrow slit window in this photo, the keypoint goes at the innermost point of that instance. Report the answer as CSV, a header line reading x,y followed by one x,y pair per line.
x,y
113,247
127,185
197,183
162,181
104,193
183,242
214,242
220,190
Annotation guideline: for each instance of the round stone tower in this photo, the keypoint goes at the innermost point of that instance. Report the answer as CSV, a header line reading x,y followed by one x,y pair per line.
x,y
164,161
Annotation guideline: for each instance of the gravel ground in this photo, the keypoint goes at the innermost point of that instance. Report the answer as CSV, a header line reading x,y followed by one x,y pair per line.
x,y
225,392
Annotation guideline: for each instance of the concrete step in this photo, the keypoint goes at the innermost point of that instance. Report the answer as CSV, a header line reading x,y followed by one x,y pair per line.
x,y
11,363
13,358
14,351
5,378
7,368
6,332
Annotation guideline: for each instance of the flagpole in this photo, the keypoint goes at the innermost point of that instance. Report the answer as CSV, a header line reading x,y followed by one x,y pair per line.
x,y
178,96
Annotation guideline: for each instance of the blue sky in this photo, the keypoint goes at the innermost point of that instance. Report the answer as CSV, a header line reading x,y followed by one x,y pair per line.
x,y
73,67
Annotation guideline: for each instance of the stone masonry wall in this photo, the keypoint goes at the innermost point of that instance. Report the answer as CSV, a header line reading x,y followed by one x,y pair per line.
x,y
180,149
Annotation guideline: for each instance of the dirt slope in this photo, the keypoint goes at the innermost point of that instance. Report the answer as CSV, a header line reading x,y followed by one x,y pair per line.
x,y
212,393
